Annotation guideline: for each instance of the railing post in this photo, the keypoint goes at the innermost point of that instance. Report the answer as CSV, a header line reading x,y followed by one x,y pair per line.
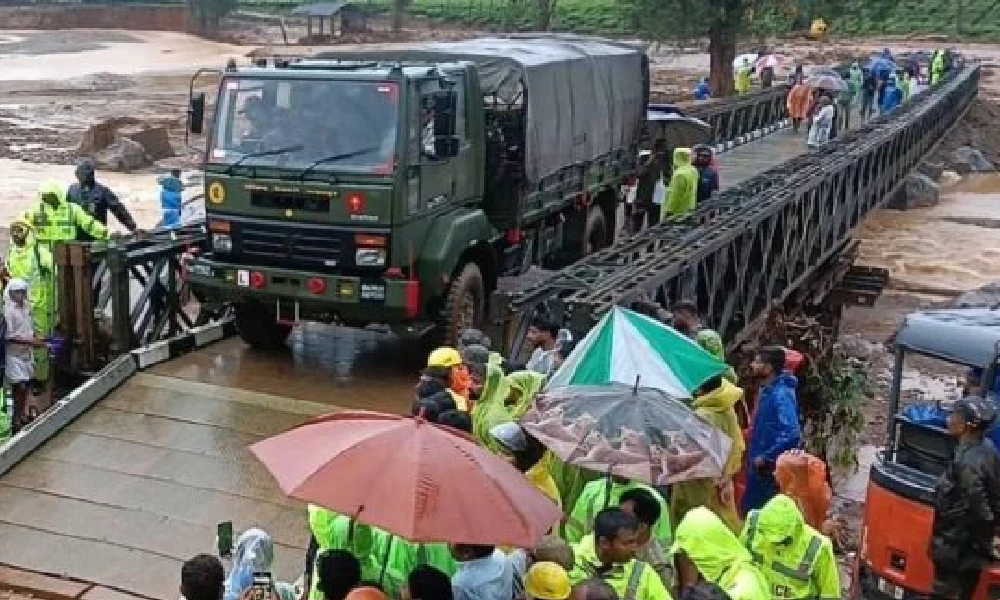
x,y
121,309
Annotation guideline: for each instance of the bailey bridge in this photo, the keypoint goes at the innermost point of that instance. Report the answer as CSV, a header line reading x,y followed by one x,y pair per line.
x,y
130,472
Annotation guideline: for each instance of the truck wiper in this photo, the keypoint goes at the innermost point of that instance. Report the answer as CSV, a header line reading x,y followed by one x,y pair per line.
x,y
273,152
335,157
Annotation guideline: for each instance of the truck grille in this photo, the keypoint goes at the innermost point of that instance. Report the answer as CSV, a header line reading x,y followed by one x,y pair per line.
x,y
289,201
315,248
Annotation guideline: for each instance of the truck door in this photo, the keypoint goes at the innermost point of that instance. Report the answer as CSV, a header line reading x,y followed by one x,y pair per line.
x,y
441,180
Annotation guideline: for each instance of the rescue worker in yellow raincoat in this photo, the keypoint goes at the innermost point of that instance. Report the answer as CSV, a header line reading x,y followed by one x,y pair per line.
x,y
54,220
333,531
715,402
32,262
704,548
743,77
609,554
797,560
937,67
445,363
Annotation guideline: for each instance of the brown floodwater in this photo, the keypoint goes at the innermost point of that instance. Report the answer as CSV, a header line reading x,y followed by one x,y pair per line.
x,y
943,250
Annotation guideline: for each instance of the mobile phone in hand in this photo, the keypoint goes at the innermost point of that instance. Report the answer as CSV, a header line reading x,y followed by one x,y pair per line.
x,y
224,538
262,586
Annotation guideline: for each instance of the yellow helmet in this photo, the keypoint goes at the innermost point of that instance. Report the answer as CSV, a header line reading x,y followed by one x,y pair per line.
x,y
547,581
445,356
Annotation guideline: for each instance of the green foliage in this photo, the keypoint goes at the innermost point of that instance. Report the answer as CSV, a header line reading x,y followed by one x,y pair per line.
x,y
832,394
207,13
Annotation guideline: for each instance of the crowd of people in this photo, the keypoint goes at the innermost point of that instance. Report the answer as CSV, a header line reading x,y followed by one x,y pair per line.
x,y
78,212
619,538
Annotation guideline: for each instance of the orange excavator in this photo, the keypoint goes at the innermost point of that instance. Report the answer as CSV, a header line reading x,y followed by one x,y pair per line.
x,y
893,562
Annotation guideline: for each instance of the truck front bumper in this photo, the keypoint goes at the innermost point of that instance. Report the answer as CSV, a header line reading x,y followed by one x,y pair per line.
x,y
306,296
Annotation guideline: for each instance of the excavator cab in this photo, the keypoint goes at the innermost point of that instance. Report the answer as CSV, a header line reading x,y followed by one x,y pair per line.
x,y
893,562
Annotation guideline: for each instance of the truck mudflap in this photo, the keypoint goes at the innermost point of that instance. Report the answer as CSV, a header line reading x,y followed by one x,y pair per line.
x,y
304,296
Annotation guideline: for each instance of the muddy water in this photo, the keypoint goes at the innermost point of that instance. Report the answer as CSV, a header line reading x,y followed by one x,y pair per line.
x,y
945,250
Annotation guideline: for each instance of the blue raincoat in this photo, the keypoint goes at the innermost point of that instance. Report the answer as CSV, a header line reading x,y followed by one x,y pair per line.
x,y
171,198
775,430
892,97
254,553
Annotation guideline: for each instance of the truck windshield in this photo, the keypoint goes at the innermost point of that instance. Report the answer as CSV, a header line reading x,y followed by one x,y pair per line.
x,y
312,124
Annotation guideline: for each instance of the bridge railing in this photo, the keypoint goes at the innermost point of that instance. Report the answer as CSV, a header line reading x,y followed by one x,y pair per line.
x,y
127,294
770,239
736,120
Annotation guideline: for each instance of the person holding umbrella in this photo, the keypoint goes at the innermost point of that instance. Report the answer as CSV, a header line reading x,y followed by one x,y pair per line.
x,y
525,452
609,553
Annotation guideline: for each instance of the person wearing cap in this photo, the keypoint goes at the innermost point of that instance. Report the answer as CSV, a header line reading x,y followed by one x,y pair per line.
x,y
97,198
54,219
546,581
797,560
705,549
609,553
446,365
967,502
32,262
525,452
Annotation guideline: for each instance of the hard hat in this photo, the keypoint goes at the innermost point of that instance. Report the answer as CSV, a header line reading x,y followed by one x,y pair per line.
x,y
365,593
547,581
445,356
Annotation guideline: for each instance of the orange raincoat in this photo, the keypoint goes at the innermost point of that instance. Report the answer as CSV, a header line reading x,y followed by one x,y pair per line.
x,y
799,101
802,477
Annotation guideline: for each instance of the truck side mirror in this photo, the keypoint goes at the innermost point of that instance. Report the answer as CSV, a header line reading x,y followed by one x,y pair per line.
x,y
196,113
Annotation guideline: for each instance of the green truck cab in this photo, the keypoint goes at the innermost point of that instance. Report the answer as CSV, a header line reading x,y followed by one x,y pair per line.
x,y
397,186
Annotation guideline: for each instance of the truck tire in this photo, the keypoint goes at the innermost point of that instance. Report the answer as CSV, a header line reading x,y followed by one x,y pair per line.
x,y
465,305
257,327
595,232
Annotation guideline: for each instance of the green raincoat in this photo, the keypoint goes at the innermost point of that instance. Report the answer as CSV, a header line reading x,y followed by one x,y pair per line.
x,y
402,557
592,501
682,195
33,263
524,386
797,560
333,532
855,79
719,556
711,342
716,407
490,409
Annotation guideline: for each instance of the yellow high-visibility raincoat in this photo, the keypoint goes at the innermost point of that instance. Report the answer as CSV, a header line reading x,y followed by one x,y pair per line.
x,y
595,498
634,580
716,407
719,556
33,263
797,560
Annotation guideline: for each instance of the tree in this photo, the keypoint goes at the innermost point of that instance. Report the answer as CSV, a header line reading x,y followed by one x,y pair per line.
x,y
721,21
206,15
396,16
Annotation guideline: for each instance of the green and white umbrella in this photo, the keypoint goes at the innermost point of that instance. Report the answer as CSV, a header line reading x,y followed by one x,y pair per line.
x,y
626,347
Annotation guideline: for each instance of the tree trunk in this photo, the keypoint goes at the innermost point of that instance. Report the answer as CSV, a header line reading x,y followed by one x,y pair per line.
x,y
398,8
722,52
543,15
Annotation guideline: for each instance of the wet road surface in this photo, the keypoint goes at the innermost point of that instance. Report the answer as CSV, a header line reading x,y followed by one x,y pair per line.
x,y
138,484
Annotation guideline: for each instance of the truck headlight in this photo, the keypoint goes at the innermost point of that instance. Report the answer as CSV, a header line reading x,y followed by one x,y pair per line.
x,y
369,257
222,242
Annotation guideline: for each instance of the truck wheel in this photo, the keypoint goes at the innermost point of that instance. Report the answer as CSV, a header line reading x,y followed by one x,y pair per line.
x,y
465,305
595,233
257,327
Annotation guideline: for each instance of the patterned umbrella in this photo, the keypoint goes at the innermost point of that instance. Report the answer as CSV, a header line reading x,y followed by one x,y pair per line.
x,y
834,83
637,433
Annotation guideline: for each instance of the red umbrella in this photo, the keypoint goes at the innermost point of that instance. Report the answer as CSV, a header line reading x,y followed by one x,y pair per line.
x,y
422,482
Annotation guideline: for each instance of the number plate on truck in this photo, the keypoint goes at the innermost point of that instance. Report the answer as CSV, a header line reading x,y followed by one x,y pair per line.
x,y
373,291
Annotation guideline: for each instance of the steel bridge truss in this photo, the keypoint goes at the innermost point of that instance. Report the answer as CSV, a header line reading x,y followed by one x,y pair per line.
x,y
116,297
765,241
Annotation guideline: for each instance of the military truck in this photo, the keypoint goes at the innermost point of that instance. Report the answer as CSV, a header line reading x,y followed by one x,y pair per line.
x,y
398,185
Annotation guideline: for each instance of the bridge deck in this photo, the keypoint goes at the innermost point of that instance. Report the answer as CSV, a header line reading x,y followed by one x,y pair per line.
x,y
137,484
